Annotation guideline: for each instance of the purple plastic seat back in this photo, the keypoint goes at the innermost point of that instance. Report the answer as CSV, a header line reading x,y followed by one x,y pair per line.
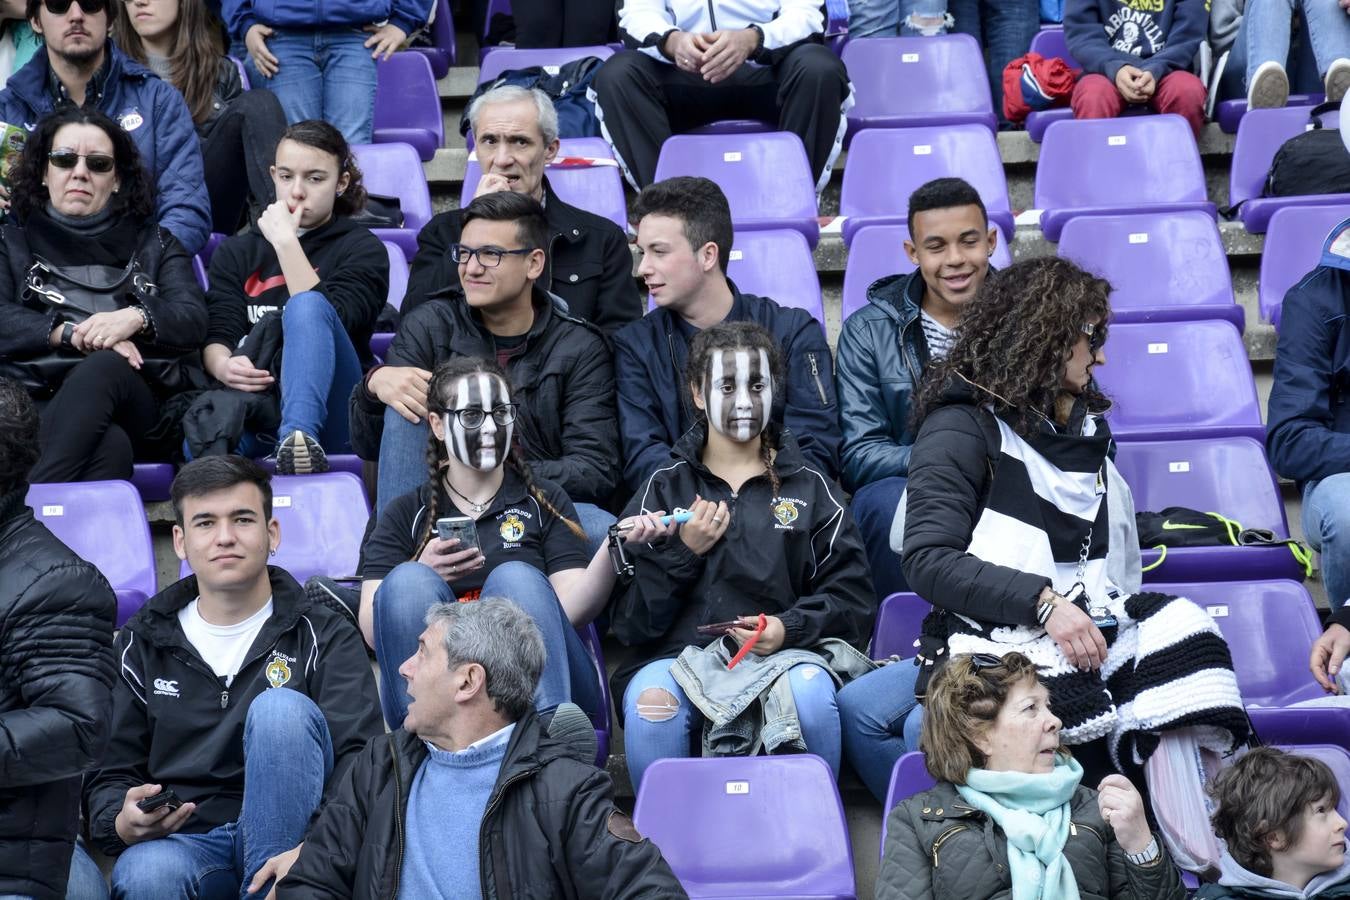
x,y
1229,113
1259,137
899,623
1051,43
763,826
766,177
1270,627
735,126
878,251
1162,266
104,523
243,74
597,189
1293,248
152,479
502,59
1337,759
395,170
213,240
909,777
591,638
398,274
494,8
1132,164
1200,368
407,104
886,165
199,270
905,81
777,264
442,53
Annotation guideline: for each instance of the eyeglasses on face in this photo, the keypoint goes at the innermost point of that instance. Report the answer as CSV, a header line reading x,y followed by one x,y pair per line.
x,y
488,257
472,417
61,7
98,163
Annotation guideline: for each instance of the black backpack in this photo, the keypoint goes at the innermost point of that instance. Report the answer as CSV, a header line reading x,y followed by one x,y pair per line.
x,y
1314,162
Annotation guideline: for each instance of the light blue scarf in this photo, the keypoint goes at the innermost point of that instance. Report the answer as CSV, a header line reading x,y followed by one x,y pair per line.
x,y
1033,811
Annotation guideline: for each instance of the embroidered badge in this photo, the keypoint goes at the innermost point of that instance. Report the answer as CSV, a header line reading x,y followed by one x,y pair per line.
x,y
785,511
512,529
278,672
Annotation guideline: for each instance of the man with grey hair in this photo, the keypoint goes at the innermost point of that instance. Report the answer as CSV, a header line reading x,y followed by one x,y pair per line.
x,y
471,798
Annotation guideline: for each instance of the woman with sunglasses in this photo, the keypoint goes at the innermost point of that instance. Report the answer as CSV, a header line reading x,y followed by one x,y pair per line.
x,y
1020,532
238,129
102,313
1010,815
310,269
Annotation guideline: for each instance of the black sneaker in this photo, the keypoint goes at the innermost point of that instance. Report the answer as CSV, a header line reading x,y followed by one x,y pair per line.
x,y
573,728
300,454
347,601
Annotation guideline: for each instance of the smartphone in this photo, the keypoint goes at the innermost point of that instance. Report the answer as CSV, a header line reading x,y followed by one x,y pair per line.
x,y
165,797
459,527
718,629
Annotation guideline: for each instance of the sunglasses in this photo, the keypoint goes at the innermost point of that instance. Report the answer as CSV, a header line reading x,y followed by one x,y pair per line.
x,y
61,7
980,661
1096,336
98,163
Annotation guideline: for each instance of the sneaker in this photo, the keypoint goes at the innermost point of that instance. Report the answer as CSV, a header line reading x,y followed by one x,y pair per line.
x,y
1337,80
327,592
572,727
1269,87
300,454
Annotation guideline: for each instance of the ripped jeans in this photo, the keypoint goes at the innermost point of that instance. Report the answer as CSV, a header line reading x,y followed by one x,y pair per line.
x,y
660,722
907,18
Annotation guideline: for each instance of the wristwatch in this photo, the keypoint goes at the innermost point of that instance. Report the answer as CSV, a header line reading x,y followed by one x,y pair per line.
x,y
1146,856
67,332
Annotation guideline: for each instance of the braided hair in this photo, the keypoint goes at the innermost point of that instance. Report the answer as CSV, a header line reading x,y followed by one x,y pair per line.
x,y
438,390
737,336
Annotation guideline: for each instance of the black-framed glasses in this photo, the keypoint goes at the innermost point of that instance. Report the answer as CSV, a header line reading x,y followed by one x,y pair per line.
x,y
1096,335
472,417
488,257
61,7
98,163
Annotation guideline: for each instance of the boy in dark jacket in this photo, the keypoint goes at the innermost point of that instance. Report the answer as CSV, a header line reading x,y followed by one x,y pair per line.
x,y
236,694
473,793
1136,54
684,232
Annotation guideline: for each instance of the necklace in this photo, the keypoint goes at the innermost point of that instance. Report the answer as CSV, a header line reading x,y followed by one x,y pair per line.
x,y
476,507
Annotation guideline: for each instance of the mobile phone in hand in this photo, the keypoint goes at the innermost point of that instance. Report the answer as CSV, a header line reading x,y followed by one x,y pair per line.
x,y
165,797
458,527
717,629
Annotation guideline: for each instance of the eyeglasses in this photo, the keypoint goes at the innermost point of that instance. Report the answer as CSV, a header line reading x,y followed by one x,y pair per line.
x,y
488,257
61,7
472,417
1096,335
98,163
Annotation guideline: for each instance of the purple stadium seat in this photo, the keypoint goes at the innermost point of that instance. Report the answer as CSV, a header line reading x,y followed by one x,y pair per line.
x,y
899,623
1050,43
597,189
243,74
398,286
407,104
1229,113
885,165
766,177
213,240
1108,166
899,82
104,523
1258,138
735,126
1170,380
836,25
909,777
1202,474
1163,267
502,59
494,8
763,826
1337,759
395,170
441,54
1293,248
199,270
777,264
878,251
591,638
152,479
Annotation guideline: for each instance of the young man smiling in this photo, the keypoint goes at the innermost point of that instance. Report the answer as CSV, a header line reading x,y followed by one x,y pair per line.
x,y
885,347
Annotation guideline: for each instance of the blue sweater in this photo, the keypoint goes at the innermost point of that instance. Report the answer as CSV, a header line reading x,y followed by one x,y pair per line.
x,y
1158,36
445,813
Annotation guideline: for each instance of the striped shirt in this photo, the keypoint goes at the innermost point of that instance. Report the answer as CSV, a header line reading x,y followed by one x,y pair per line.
x,y
938,336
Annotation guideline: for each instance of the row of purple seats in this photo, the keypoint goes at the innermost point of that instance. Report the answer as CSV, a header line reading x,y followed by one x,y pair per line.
x,y
595,188
1259,136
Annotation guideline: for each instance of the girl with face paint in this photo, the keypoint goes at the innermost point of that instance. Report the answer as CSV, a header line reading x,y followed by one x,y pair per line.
x,y
769,555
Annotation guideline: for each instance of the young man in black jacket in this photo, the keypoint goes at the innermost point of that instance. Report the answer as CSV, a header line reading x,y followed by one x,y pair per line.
x,y
684,232
56,627
587,260
471,792
236,694
559,366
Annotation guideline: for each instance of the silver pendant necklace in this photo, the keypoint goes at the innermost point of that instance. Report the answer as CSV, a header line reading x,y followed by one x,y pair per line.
x,y
476,507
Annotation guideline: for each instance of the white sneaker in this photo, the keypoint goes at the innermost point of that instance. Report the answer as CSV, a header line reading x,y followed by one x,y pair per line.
x,y
1269,87
1337,80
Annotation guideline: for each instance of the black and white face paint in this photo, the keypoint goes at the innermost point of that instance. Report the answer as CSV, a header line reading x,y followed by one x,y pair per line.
x,y
739,393
485,447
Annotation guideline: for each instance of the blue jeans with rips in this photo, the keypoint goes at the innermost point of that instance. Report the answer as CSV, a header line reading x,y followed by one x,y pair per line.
x,y
906,18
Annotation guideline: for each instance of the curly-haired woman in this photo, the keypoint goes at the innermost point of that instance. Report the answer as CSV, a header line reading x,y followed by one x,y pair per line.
x,y
1019,530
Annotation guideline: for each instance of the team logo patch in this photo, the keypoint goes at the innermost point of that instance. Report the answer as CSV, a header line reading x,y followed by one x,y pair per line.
x,y
278,672
130,121
785,511
512,529
166,687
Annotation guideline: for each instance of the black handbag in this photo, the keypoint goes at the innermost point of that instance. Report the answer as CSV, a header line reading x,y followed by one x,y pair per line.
x,y
78,292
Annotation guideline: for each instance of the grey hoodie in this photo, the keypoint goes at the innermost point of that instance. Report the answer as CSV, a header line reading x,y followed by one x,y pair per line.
x,y
1225,17
1233,875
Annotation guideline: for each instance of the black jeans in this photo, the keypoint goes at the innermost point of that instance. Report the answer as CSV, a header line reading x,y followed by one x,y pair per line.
x,y
644,101
562,23
237,154
92,427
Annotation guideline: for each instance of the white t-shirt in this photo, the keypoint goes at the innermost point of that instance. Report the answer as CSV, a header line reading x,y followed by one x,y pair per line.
x,y
222,646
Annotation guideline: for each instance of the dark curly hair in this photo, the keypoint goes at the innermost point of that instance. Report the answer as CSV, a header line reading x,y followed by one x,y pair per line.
x,y
320,135
1014,338
18,435
135,195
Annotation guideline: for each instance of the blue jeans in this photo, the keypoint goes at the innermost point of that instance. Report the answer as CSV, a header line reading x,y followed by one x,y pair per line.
x,y
326,74
1326,525
319,368
288,755
86,879
1004,29
1267,26
653,732
401,605
874,507
888,18
876,721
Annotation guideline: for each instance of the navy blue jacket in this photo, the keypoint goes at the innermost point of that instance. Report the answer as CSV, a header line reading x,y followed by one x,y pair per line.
x,y
882,356
153,113
1104,35
311,15
1308,419
655,408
